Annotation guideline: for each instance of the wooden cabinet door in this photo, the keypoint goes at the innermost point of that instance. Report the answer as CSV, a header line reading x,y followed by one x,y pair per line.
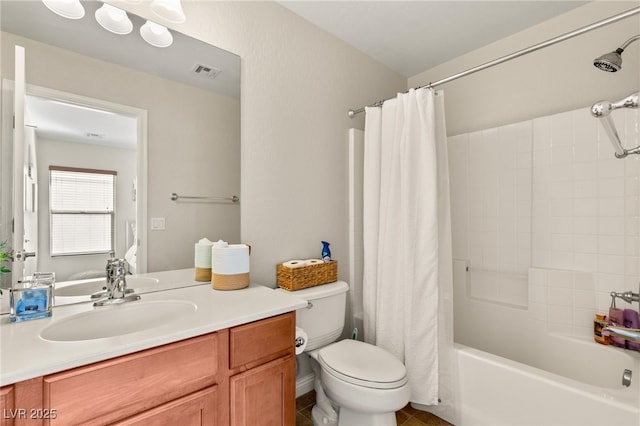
x,y
197,409
7,407
265,395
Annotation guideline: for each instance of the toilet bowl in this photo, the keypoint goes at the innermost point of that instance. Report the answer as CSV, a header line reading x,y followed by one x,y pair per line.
x,y
356,383
367,383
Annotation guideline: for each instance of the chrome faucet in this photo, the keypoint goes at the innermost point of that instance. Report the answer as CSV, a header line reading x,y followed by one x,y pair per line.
x,y
116,278
117,291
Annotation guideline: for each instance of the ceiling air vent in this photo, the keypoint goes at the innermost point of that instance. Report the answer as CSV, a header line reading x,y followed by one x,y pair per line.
x,y
93,135
206,71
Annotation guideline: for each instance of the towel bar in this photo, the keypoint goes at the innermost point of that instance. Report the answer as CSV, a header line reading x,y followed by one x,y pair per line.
x,y
176,197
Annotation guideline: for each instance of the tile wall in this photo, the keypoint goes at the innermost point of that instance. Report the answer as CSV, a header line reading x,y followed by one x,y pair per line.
x,y
546,200
491,197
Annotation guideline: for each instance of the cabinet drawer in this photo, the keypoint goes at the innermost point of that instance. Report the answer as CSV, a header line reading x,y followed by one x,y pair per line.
x,y
197,409
261,341
108,391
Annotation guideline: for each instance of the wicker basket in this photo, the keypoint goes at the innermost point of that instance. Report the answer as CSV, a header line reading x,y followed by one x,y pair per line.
x,y
306,276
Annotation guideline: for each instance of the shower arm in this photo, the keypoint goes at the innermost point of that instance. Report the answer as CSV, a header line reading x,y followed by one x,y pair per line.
x,y
628,42
603,110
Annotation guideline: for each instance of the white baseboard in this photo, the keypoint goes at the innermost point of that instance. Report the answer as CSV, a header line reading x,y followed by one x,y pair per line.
x,y
304,384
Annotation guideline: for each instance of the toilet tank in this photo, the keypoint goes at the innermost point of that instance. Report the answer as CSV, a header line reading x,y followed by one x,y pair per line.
x,y
323,319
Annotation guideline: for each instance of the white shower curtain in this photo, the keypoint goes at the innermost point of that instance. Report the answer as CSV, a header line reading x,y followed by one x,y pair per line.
x,y
407,288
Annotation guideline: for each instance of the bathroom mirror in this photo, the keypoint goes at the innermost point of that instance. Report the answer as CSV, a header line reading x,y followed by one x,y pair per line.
x,y
189,95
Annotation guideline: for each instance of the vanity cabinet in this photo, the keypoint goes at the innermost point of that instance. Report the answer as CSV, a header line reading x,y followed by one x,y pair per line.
x,y
262,382
7,407
243,375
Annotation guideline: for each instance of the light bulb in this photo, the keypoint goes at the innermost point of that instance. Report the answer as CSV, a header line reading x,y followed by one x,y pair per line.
x,y
113,19
156,35
171,10
70,9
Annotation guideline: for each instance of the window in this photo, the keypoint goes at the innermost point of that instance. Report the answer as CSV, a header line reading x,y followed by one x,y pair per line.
x,y
82,210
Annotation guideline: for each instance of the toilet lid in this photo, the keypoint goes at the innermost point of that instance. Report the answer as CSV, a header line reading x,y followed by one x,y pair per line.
x,y
363,364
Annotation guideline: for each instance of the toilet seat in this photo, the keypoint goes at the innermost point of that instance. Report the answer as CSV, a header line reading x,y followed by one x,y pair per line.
x,y
363,364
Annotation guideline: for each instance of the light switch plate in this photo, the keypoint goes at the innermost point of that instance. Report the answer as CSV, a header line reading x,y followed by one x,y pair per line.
x,y
157,223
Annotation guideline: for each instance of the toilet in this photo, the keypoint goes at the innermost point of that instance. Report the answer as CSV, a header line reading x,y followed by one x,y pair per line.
x,y
356,383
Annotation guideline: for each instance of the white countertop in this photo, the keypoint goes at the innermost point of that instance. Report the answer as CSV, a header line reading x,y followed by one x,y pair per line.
x,y
25,355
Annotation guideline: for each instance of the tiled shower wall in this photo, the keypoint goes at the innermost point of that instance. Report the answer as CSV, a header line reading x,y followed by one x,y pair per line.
x,y
491,204
547,202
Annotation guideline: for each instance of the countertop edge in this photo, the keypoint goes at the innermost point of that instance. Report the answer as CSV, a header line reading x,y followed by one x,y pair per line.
x,y
10,379
19,368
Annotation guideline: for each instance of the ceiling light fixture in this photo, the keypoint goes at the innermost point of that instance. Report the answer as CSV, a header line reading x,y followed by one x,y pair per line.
x,y
171,10
113,19
117,21
70,9
156,35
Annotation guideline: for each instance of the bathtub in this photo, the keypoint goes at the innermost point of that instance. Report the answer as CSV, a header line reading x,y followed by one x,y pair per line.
x,y
497,391
510,370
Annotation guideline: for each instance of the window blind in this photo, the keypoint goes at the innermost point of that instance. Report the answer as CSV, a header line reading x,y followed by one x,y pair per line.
x,y
82,209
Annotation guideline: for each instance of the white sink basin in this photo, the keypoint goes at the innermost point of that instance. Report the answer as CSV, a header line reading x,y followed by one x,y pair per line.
x,y
116,320
86,288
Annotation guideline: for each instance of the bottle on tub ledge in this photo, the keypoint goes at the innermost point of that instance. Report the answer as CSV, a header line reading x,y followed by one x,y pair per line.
x,y
630,319
599,323
620,329
616,318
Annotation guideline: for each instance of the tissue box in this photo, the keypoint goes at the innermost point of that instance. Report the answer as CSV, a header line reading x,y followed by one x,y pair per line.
x,y
306,276
32,297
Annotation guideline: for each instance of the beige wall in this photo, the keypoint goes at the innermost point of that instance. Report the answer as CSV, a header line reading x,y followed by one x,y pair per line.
x,y
298,82
193,143
557,78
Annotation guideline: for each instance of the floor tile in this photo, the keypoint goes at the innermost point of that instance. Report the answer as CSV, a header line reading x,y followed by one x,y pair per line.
x,y
407,416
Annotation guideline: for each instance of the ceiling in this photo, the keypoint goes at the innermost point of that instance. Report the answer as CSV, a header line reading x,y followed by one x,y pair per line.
x,y
76,123
413,36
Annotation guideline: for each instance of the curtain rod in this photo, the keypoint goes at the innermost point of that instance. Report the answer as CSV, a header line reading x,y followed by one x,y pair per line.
x,y
517,54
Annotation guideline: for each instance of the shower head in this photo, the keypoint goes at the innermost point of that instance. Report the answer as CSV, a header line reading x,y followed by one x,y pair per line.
x,y
612,61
